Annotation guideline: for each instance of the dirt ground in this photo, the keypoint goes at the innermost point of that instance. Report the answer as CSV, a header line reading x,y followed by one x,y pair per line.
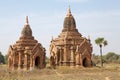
x,y
109,72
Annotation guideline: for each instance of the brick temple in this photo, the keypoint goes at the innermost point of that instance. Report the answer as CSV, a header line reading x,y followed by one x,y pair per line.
x,y
70,48
26,53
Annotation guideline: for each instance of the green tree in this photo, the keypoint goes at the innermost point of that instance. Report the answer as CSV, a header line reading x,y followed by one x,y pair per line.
x,y
2,60
111,57
101,42
6,58
118,59
47,60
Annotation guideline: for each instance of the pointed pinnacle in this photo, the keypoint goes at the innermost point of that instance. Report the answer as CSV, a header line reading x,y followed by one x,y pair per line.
x,y
27,20
69,11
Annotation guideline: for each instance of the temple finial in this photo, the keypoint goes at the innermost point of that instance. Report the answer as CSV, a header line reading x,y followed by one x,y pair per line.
x,y
69,11
89,37
27,20
52,37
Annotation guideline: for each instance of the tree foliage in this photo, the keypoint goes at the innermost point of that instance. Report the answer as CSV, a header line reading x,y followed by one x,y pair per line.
x,y
47,60
100,41
110,57
2,60
6,58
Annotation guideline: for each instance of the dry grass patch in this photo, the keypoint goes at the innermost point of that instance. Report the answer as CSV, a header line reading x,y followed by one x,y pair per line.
x,y
63,73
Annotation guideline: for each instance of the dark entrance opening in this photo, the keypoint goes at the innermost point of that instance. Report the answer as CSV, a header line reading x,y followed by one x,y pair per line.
x,y
85,64
37,62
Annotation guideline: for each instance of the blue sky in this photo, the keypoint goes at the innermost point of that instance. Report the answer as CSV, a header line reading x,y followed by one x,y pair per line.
x,y
97,18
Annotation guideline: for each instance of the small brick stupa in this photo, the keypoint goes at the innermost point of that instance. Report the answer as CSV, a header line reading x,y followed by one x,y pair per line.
x,y
26,53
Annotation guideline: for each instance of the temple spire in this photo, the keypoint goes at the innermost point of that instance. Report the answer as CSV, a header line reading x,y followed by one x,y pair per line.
x,y
27,30
27,20
89,37
52,37
69,11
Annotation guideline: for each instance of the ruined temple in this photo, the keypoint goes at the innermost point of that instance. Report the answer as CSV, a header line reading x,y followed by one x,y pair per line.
x,y
70,48
26,53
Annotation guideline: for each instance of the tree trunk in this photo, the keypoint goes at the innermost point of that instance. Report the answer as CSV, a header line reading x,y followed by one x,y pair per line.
x,y
101,56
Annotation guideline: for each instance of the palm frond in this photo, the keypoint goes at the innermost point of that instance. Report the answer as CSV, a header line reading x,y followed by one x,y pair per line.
x,y
105,43
99,41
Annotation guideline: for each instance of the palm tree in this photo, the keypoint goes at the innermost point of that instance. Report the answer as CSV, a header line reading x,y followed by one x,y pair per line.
x,y
100,42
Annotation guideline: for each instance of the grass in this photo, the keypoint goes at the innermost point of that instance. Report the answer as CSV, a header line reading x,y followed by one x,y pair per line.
x,y
108,72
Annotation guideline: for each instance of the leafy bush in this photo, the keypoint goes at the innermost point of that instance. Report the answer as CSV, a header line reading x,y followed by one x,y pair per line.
x,y
111,57
2,60
108,58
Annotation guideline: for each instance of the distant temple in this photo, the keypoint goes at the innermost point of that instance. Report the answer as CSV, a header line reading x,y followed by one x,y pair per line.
x,y
26,53
70,48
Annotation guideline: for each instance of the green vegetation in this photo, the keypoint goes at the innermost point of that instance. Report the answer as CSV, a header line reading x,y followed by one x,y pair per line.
x,y
6,59
2,60
100,42
47,60
110,57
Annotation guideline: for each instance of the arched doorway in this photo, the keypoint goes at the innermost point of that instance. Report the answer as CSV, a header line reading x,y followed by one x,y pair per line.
x,y
37,62
85,62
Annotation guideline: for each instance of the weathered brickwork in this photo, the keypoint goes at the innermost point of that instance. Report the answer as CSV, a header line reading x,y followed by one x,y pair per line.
x,y
70,48
26,53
